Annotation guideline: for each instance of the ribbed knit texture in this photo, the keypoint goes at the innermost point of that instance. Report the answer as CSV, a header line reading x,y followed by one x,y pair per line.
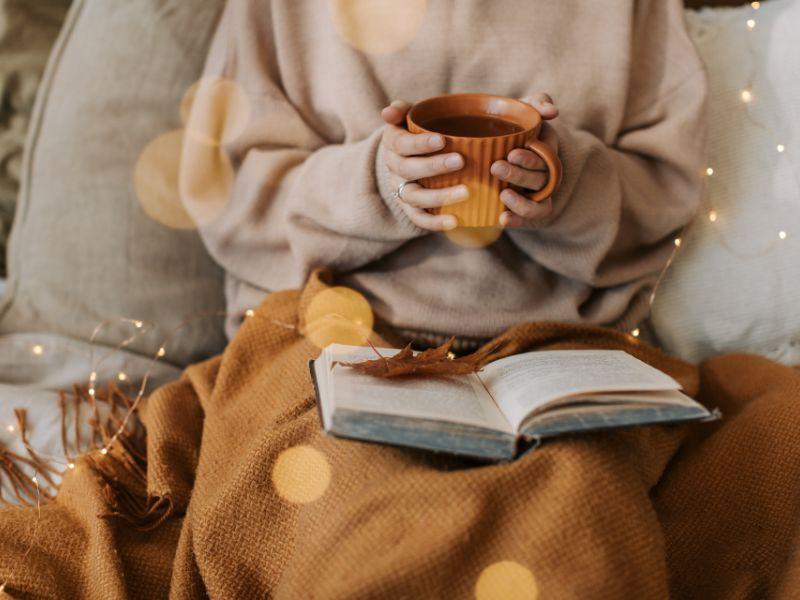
x,y
312,189
707,510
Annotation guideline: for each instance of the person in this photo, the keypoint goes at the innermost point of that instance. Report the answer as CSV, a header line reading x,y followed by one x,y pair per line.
x,y
324,152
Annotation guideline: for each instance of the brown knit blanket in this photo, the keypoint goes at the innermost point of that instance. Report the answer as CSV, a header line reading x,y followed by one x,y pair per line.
x,y
245,498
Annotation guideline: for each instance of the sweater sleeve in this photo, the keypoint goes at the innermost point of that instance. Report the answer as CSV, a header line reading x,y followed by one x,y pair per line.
x,y
300,199
625,195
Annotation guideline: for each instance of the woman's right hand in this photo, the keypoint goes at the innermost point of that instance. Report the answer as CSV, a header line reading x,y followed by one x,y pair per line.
x,y
405,158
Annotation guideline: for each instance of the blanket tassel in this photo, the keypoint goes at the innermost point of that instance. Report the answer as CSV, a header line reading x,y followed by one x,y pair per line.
x,y
123,469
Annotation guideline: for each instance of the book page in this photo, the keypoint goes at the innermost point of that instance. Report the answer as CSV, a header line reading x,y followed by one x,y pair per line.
x,y
612,399
671,397
453,398
526,382
589,416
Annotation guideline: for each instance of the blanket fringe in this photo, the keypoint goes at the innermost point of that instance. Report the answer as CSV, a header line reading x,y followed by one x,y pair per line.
x,y
123,469
12,468
139,510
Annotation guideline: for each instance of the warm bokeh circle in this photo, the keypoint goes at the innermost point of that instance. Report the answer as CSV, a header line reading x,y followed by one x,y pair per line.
x,y
378,26
215,110
338,315
474,237
181,182
301,474
506,580
155,180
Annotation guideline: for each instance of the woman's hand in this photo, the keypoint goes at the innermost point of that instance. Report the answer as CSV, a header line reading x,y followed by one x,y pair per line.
x,y
403,152
526,169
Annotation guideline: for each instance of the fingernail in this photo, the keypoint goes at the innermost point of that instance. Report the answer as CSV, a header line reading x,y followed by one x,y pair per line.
x,y
505,197
435,141
450,223
454,161
503,220
500,169
459,193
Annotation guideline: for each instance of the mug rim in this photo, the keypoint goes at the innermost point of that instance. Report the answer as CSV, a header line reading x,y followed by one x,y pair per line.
x,y
433,99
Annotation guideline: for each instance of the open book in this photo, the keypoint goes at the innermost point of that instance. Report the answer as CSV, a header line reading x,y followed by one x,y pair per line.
x,y
511,404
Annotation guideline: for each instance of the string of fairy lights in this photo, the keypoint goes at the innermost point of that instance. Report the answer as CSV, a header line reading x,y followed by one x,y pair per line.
x,y
140,329
747,96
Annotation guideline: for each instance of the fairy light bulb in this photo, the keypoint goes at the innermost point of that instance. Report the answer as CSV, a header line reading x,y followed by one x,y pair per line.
x,y
709,171
91,392
161,352
677,242
712,216
635,333
780,147
249,313
755,5
10,429
93,376
747,96
38,349
751,23
138,324
782,235
71,465
104,451
35,480
122,376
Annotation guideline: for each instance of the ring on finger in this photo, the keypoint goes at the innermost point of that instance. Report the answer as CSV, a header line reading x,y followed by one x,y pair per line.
x,y
398,193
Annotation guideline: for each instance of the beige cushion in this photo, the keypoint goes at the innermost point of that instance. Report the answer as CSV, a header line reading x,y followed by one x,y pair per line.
x,y
82,249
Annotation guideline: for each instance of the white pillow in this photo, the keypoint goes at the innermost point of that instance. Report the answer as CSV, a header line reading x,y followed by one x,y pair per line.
x,y
735,285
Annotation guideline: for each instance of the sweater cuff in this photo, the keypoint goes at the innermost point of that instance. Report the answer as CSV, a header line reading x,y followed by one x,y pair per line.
x,y
383,179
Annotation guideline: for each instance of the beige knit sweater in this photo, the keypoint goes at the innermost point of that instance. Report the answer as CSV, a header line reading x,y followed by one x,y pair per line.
x,y
311,189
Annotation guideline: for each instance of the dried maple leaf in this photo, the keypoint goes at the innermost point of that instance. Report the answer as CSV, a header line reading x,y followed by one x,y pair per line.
x,y
435,361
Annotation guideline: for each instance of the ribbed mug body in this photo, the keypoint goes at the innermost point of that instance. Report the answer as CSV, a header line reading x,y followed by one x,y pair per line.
x,y
483,207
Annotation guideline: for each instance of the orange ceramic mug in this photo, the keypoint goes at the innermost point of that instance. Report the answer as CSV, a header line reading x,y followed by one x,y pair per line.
x,y
483,129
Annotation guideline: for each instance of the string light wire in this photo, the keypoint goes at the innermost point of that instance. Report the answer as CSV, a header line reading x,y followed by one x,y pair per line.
x,y
143,327
749,99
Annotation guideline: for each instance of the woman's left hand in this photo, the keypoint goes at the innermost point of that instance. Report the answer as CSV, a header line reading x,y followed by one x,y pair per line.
x,y
526,169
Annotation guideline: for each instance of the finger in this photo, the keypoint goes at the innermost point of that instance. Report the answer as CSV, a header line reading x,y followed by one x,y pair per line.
x,y
395,113
525,208
532,180
402,142
544,104
527,159
412,168
420,197
511,221
426,220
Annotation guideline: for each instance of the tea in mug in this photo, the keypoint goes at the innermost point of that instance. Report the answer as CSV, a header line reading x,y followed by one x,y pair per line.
x,y
472,126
